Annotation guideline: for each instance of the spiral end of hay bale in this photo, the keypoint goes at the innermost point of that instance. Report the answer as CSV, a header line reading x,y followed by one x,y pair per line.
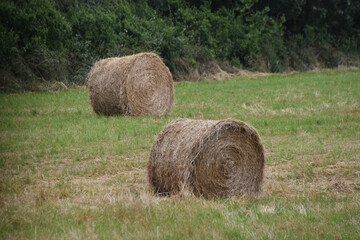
x,y
131,85
208,158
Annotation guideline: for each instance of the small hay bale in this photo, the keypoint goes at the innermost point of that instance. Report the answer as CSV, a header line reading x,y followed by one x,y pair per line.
x,y
131,85
207,158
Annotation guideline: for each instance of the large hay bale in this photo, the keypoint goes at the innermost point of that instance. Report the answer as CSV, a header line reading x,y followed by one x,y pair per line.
x,y
207,158
131,85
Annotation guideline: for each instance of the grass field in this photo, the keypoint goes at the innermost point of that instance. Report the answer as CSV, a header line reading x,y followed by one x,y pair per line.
x,y
66,173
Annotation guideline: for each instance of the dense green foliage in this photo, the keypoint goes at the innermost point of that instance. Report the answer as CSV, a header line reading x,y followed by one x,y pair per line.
x,y
60,39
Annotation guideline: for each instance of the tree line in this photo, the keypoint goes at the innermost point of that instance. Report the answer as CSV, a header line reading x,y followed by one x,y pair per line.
x,y
59,40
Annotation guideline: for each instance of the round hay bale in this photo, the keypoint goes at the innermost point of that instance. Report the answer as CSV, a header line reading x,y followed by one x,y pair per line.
x,y
131,85
207,158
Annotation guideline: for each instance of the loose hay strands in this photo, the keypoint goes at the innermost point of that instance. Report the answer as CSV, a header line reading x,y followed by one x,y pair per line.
x,y
208,158
131,85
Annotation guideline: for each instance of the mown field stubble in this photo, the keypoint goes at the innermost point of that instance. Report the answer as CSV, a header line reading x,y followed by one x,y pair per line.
x,y
66,173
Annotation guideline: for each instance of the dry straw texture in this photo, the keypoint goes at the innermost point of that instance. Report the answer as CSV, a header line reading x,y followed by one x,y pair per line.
x,y
207,158
131,85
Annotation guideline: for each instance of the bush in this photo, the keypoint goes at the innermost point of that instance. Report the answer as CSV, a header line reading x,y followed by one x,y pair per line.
x,y
69,36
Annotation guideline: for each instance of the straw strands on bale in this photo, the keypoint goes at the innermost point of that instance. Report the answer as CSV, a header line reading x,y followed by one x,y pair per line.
x,y
131,85
207,158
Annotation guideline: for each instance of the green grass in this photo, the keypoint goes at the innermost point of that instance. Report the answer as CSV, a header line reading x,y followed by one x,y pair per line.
x,y
66,173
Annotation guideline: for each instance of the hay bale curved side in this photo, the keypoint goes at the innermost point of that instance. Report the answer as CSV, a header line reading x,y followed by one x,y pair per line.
x,y
106,82
131,85
207,158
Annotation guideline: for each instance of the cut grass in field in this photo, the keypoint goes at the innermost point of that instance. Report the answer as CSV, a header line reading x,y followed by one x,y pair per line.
x,y
67,173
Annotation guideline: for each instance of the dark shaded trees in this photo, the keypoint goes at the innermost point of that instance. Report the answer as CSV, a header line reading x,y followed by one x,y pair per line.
x,y
45,40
